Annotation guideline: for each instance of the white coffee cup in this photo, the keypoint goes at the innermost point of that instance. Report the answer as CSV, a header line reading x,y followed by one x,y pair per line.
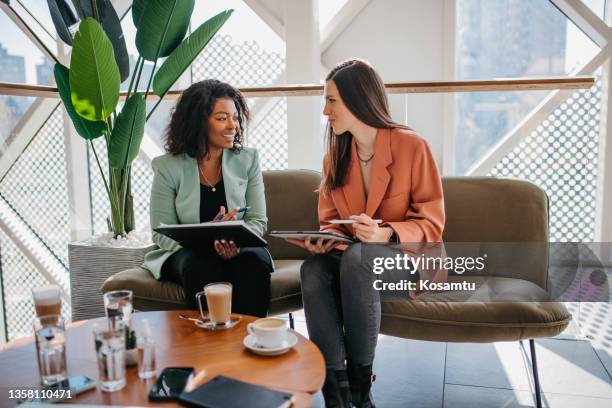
x,y
268,332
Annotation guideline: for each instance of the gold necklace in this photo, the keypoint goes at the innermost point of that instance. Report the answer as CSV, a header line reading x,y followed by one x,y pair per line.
x,y
366,161
206,180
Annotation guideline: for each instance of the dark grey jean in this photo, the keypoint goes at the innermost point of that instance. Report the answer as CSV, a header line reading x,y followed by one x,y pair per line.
x,y
341,305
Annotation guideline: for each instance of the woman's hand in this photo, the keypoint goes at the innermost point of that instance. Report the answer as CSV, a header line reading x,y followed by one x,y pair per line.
x,y
222,216
322,246
367,230
226,249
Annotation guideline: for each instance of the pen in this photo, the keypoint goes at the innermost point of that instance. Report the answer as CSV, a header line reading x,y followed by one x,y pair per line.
x,y
241,209
350,221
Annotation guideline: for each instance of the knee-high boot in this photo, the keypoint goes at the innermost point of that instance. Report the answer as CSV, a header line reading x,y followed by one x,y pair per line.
x,y
361,379
336,391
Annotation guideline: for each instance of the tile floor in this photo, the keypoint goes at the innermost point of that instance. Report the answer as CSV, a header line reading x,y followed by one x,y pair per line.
x,y
575,368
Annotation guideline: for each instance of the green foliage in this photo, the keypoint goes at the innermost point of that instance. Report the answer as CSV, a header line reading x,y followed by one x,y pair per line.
x,y
181,58
130,338
99,62
94,75
86,129
161,26
111,24
127,132
62,17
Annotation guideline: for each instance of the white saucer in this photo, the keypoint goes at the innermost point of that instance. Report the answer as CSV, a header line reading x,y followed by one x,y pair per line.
x,y
208,325
290,341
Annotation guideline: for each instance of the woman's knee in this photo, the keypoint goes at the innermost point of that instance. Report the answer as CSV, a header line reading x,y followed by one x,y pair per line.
x,y
315,274
351,258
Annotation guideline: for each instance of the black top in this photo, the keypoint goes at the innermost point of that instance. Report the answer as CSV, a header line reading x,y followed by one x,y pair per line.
x,y
210,201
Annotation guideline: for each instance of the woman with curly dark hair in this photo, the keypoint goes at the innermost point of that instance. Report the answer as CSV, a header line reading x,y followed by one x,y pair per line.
x,y
206,174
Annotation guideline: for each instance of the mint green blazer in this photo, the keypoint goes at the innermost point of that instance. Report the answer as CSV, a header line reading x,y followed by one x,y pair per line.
x,y
175,197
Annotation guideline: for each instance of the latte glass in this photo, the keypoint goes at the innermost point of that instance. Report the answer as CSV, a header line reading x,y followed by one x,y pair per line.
x,y
219,303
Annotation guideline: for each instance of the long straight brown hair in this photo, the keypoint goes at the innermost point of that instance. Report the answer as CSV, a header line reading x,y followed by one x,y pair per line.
x,y
363,93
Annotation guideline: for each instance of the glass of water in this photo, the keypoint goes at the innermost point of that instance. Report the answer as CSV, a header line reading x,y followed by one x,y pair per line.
x,y
50,335
118,303
110,351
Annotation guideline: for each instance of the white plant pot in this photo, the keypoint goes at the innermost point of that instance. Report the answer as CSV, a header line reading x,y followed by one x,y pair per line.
x,y
90,266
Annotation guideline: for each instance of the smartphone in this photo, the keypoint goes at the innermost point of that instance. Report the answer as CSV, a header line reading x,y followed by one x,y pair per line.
x,y
66,389
171,383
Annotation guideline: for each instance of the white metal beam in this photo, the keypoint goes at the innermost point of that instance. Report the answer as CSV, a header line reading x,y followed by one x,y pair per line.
x,y
25,131
2,323
77,177
532,120
33,250
303,66
149,149
587,21
267,16
603,215
343,18
19,22
448,100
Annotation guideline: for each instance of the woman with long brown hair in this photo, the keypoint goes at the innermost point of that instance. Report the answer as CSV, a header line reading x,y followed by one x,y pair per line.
x,y
382,177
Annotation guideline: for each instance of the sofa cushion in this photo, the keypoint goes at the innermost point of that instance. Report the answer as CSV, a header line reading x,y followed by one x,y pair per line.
x,y
151,294
435,317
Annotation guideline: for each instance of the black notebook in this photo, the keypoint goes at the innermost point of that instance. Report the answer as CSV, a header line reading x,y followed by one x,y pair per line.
x,y
204,234
224,392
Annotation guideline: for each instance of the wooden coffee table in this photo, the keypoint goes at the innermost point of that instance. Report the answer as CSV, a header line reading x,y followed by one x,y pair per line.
x,y
301,371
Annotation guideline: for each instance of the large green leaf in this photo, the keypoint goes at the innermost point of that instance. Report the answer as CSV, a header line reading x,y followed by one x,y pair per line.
x,y
127,132
112,27
62,17
162,26
87,129
180,59
138,8
94,75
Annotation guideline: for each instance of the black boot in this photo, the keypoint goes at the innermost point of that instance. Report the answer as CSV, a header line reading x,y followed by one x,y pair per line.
x,y
336,390
361,379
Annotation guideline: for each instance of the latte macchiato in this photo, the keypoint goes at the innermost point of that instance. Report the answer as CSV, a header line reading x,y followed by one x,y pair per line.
x,y
47,300
219,302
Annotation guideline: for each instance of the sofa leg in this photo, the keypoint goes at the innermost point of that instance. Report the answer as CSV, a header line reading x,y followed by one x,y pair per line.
x,y
536,378
291,322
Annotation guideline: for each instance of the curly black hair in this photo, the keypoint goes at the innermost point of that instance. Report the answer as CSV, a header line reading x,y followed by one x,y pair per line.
x,y
188,129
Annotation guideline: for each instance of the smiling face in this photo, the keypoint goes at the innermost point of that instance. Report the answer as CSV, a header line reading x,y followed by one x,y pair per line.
x,y
223,124
338,115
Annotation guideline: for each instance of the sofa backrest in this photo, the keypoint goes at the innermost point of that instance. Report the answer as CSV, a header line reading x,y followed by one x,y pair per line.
x,y
291,204
506,219
480,211
494,209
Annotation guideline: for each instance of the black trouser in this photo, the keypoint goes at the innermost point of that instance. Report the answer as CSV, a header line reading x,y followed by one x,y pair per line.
x,y
248,272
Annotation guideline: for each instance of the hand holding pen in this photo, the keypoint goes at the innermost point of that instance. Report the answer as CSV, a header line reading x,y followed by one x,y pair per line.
x,y
230,216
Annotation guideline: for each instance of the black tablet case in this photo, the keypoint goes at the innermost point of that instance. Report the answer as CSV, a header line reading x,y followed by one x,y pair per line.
x,y
203,235
225,392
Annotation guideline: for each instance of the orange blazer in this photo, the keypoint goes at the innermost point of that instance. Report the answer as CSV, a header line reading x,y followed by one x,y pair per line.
x,y
405,192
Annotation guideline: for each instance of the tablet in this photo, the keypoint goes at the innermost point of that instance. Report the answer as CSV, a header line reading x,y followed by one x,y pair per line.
x,y
204,234
303,235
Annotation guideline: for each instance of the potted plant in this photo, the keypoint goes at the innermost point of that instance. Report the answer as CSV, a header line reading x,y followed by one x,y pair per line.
x,y
90,92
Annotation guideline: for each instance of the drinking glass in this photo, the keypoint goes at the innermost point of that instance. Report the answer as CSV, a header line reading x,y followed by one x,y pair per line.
x,y
118,303
218,301
110,350
50,335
